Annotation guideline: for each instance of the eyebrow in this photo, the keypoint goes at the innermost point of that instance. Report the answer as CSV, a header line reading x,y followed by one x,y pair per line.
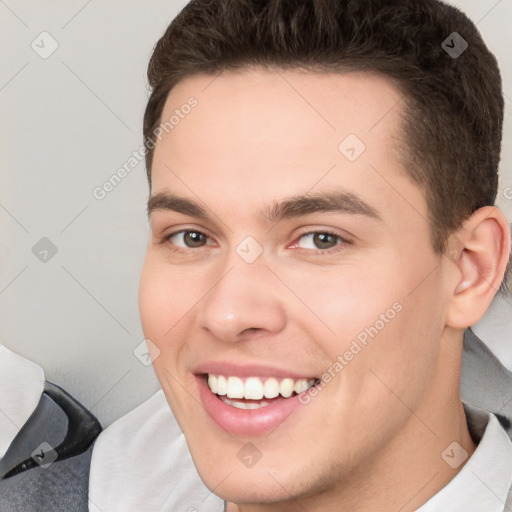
x,y
336,202
295,206
167,201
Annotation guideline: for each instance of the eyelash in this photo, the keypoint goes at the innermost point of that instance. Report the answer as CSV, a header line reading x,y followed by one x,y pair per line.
x,y
340,241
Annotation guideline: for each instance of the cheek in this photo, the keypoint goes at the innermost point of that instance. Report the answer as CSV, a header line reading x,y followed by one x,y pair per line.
x,y
370,325
346,301
164,301
166,295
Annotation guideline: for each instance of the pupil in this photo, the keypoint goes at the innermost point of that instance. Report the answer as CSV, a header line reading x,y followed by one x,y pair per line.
x,y
324,240
194,239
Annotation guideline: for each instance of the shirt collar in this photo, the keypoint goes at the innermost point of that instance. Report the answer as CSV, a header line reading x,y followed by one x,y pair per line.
x,y
21,385
485,480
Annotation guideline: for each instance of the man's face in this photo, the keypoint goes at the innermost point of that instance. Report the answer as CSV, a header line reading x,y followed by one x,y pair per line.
x,y
306,255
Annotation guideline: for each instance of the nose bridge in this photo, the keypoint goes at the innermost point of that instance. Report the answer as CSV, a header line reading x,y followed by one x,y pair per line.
x,y
243,297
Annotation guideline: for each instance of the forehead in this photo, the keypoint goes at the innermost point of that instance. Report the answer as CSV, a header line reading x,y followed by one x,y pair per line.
x,y
288,107
255,133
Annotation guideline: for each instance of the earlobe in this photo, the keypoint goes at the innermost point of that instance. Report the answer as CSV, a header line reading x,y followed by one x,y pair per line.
x,y
484,250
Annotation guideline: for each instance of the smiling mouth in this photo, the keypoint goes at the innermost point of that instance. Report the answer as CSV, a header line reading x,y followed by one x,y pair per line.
x,y
255,392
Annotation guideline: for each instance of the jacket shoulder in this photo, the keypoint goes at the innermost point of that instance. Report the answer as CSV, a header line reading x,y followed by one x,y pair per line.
x,y
46,467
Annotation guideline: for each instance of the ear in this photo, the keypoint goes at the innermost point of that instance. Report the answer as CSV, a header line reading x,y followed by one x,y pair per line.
x,y
478,254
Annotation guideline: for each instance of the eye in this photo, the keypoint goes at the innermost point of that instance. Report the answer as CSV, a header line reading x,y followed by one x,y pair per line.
x,y
188,239
319,240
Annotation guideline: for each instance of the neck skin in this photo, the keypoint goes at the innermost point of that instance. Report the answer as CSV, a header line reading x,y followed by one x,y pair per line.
x,y
409,470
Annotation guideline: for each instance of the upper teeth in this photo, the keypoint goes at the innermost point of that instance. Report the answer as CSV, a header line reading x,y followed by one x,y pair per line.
x,y
255,388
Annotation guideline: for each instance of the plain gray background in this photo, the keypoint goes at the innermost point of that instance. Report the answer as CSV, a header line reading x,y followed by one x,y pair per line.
x,y
68,122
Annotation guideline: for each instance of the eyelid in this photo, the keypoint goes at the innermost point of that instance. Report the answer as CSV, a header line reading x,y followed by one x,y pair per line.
x,y
345,237
343,240
182,234
166,237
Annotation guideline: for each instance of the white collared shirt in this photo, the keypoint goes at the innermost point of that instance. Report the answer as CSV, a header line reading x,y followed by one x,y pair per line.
x,y
159,468
484,484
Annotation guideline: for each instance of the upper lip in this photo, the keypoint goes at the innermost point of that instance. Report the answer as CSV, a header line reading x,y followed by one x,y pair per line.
x,y
247,370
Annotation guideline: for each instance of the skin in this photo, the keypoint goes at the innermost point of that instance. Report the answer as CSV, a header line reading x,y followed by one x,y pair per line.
x,y
372,438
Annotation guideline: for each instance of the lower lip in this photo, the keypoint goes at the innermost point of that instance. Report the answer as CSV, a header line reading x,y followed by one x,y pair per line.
x,y
246,422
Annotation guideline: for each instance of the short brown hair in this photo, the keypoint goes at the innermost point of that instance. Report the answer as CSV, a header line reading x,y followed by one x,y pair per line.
x,y
453,112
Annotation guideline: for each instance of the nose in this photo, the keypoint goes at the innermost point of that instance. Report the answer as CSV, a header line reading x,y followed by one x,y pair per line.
x,y
243,301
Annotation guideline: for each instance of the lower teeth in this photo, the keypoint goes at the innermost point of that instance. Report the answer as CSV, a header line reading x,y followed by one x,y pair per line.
x,y
244,405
